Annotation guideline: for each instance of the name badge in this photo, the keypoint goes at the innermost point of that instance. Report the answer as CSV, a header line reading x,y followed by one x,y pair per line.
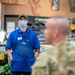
x,y
19,38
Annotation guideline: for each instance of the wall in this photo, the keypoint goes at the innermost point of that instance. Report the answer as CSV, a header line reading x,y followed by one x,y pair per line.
x,y
24,2
40,8
0,14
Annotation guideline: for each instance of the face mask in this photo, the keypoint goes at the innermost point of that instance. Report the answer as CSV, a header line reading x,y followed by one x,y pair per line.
x,y
22,24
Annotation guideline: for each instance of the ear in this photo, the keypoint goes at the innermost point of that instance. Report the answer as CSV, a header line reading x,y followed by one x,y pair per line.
x,y
56,33
18,21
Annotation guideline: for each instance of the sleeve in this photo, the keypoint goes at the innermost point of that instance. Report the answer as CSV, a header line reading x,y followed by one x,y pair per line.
x,y
37,50
41,66
9,42
36,43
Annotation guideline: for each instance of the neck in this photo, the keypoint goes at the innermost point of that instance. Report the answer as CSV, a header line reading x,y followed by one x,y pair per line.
x,y
60,40
23,29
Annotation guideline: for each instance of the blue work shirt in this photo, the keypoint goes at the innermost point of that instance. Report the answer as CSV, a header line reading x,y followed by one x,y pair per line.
x,y
13,36
18,37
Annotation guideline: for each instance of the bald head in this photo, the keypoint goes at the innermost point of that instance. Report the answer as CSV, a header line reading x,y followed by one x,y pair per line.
x,y
60,23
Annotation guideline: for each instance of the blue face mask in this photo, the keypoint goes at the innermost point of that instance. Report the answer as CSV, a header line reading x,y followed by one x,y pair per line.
x,y
22,24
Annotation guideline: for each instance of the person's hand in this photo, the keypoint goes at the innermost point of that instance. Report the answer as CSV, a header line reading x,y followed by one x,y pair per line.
x,y
9,54
36,54
10,58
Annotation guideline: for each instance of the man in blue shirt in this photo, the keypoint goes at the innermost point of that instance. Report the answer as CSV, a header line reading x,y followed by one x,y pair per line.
x,y
25,48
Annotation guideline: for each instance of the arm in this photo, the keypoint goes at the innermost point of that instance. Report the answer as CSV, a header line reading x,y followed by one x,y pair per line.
x,y
9,46
36,46
9,54
37,52
41,66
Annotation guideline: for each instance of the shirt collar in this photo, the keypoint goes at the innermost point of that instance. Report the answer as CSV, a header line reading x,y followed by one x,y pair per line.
x,y
27,30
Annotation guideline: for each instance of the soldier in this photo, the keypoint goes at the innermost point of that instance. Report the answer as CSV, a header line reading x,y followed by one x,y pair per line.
x,y
60,58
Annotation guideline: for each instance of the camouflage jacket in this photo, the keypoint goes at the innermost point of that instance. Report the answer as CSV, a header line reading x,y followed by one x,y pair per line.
x,y
58,60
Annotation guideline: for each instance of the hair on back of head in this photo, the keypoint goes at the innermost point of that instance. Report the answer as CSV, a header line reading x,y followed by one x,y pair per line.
x,y
62,24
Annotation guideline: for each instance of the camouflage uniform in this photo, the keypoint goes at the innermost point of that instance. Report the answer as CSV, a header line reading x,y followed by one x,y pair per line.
x,y
59,60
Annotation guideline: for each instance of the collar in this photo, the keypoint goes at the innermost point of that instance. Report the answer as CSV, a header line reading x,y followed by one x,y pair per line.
x,y
27,30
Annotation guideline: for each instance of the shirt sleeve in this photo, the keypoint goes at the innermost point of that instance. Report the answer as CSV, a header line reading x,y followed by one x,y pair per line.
x,y
9,42
41,66
36,43
37,50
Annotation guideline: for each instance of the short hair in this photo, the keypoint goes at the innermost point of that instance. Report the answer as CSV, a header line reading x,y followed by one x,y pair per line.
x,y
62,24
